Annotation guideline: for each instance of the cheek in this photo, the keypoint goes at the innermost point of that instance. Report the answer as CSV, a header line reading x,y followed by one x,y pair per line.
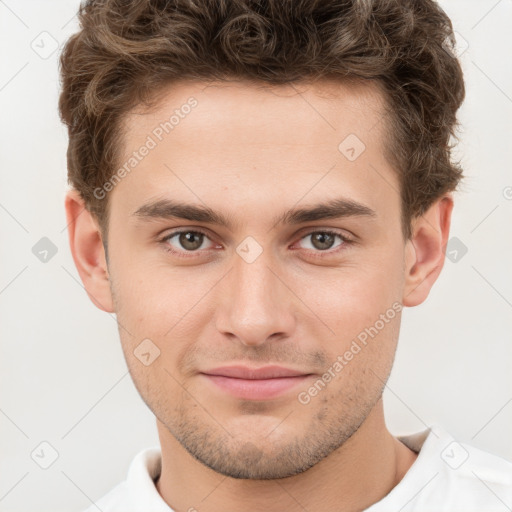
x,y
352,298
165,311
360,319
149,296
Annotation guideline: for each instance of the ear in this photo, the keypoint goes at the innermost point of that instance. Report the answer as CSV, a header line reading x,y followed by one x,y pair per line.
x,y
88,252
425,250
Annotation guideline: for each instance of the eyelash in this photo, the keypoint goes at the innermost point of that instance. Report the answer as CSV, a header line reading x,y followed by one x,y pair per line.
x,y
345,242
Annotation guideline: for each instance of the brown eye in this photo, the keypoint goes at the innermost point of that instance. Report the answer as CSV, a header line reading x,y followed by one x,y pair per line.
x,y
185,241
324,240
190,240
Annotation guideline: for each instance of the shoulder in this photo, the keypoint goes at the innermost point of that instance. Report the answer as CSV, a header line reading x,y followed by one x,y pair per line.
x,y
450,476
114,500
138,492
471,468
464,476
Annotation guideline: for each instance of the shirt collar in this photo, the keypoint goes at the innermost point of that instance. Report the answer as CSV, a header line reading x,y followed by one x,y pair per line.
x,y
144,470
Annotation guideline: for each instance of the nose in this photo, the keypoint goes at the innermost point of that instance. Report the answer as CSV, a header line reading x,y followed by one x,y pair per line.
x,y
255,303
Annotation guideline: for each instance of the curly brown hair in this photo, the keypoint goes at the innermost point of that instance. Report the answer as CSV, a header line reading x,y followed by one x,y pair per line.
x,y
127,51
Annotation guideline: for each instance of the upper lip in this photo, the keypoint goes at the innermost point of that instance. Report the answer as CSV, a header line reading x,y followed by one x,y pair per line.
x,y
244,372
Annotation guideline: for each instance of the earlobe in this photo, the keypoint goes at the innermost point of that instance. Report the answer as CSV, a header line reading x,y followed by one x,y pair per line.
x,y
88,251
424,257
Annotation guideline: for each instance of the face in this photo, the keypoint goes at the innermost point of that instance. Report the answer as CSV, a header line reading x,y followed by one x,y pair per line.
x,y
269,277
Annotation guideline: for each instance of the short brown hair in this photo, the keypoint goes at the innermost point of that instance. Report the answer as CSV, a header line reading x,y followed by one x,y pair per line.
x,y
128,50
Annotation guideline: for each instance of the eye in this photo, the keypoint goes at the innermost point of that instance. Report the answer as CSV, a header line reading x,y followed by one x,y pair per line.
x,y
185,241
193,241
324,240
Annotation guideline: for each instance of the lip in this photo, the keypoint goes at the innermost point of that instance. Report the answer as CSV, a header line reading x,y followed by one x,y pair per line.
x,y
244,372
255,383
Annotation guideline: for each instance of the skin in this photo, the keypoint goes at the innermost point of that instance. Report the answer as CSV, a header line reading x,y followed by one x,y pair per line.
x,y
244,150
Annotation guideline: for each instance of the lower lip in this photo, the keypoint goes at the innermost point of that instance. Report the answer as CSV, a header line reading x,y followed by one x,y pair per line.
x,y
256,389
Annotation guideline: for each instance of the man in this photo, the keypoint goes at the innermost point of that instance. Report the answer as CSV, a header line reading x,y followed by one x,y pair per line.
x,y
258,189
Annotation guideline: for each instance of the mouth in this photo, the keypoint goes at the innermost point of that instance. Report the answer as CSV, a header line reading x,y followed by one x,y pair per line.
x,y
255,383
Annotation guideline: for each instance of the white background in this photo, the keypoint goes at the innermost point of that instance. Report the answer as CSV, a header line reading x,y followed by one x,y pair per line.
x,y
63,375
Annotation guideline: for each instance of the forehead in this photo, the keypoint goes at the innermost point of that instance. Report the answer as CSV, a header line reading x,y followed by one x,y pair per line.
x,y
228,103
211,139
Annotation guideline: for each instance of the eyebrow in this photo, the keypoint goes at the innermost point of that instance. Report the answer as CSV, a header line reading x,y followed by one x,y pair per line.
x,y
163,209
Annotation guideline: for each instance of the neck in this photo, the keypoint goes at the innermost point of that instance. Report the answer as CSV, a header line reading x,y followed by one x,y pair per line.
x,y
353,477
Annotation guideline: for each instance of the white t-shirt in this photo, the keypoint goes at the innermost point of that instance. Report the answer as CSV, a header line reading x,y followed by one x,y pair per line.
x,y
446,476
